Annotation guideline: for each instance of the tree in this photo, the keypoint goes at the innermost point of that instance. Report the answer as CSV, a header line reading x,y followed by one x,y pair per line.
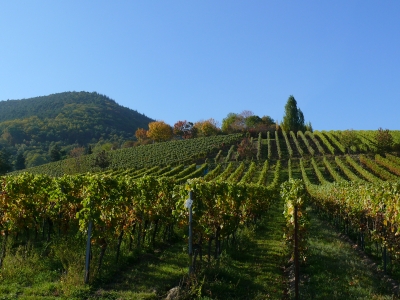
x,y
267,120
77,152
246,121
207,128
75,165
20,162
55,153
246,148
384,140
293,120
141,134
252,121
88,150
308,127
230,123
185,129
128,144
240,122
159,131
101,160
5,165
349,139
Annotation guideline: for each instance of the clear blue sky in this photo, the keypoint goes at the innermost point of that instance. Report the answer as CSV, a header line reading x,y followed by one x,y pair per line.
x,y
193,60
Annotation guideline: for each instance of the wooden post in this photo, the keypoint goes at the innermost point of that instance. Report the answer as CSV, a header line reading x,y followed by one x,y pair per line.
x,y
88,245
188,205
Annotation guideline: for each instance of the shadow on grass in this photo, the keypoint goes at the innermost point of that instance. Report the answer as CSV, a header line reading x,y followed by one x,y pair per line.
x,y
258,272
254,271
335,271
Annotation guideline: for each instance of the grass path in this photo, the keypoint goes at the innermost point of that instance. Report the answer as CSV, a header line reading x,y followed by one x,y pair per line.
x,y
148,278
335,271
253,271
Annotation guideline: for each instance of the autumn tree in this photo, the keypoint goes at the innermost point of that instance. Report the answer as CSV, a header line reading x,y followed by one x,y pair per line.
x,y
384,140
293,120
74,166
207,128
77,152
240,122
141,134
185,129
159,131
247,149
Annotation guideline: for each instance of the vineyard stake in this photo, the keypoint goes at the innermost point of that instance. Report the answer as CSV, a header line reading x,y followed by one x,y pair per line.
x,y
87,262
188,205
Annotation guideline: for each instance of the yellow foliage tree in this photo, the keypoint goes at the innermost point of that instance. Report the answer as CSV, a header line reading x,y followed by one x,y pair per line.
x,y
207,128
159,131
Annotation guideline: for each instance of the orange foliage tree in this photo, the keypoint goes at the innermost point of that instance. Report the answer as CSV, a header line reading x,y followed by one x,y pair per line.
x,y
185,129
141,134
159,131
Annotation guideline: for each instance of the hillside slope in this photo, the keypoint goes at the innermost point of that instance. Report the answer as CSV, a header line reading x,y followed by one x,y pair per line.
x,y
32,126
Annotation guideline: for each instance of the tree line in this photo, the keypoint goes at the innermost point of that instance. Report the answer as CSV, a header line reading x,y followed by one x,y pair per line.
x,y
244,122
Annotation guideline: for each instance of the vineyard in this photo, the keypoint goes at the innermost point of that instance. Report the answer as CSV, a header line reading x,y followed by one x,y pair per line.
x,y
94,222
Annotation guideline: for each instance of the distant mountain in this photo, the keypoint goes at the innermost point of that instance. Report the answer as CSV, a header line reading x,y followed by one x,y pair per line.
x,y
70,119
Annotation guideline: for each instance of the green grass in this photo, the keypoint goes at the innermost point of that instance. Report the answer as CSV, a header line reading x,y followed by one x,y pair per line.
x,y
251,269
335,271
256,270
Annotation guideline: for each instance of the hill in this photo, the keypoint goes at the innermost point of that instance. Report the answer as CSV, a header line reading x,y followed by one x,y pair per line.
x,y
70,119
136,208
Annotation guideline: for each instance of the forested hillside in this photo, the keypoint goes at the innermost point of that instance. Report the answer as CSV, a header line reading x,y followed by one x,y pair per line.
x,y
32,127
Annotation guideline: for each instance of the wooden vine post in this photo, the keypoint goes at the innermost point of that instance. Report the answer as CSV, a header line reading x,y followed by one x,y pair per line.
x,y
294,194
188,205
88,245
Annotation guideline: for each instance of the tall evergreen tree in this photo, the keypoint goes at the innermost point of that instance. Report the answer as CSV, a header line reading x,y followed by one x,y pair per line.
x,y
293,118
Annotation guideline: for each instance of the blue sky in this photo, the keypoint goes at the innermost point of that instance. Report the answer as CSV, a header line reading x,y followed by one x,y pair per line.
x,y
193,60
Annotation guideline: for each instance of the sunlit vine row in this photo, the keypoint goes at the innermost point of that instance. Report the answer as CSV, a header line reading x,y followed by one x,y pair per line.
x,y
290,150
392,166
367,175
296,141
382,173
312,137
302,136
